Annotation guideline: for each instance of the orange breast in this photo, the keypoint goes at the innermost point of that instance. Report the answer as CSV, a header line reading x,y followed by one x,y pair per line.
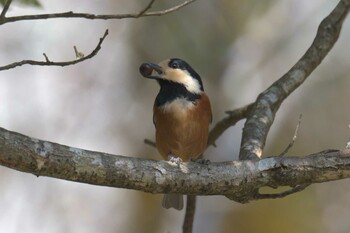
x,y
182,128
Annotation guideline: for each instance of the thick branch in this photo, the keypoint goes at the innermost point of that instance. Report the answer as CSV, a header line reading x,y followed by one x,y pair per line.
x,y
238,180
71,14
47,62
264,110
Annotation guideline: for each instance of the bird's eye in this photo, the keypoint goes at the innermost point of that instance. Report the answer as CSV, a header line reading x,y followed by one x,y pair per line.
x,y
174,65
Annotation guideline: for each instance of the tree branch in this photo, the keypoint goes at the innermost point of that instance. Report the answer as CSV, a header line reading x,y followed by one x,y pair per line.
x,y
290,145
232,118
263,112
5,9
146,8
149,142
47,62
238,180
71,14
296,189
187,226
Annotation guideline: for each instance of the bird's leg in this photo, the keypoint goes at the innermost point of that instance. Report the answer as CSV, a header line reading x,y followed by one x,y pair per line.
x,y
173,159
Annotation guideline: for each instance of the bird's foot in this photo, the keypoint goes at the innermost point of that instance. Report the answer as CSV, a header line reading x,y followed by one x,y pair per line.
x,y
174,159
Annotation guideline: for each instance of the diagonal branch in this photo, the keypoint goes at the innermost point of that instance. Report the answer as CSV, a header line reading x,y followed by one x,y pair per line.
x,y
238,180
5,9
71,14
47,62
262,115
141,13
230,120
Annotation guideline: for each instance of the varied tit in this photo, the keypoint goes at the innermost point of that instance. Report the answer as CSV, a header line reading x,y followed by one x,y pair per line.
x,y
181,114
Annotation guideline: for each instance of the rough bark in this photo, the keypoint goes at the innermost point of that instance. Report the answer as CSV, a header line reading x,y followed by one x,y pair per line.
x,y
238,180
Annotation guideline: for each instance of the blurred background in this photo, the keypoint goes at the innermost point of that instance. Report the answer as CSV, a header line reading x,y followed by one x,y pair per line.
x,y
103,104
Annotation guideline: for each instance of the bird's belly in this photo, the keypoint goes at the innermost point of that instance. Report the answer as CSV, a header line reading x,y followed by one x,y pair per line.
x,y
182,134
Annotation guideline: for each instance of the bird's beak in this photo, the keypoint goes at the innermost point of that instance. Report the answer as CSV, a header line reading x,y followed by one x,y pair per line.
x,y
150,70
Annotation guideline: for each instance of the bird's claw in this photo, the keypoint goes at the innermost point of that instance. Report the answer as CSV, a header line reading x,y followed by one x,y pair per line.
x,y
173,159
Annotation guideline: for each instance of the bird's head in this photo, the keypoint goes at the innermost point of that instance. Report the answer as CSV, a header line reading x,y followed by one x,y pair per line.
x,y
173,71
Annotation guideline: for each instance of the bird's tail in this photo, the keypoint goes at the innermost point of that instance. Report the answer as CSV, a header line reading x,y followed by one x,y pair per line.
x,y
173,200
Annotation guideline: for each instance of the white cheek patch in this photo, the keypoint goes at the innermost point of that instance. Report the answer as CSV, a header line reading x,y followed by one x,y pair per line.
x,y
191,84
183,77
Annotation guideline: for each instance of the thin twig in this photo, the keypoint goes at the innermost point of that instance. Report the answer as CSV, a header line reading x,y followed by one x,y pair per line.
x,y
296,189
146,8
47,62
167,11
149,142
187,226
77,53
5,9
293,139
46,58
71,14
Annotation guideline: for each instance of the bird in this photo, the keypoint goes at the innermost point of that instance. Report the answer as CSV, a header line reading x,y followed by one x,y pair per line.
x,y
181,115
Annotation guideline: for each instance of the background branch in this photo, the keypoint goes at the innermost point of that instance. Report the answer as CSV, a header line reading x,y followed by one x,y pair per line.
x,y
238,180
263,112
70,14
230,120
146,8
187,226
47,62
5,9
